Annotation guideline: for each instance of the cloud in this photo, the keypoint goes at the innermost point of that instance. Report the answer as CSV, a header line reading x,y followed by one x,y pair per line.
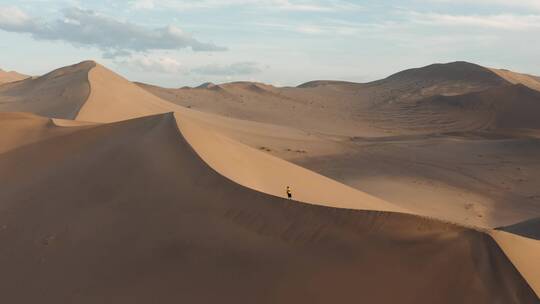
x,y
239,68
335,27
305,6
153,64
312,29
341,28
143,4
89,28
527,4
12,19
502,21
168,65
285,5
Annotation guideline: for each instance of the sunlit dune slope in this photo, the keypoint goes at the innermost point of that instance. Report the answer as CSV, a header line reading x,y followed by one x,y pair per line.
x,y
524,254
113,98
263,172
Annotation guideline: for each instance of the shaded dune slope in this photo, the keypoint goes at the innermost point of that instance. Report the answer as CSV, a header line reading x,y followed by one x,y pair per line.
x,y
514,106
454,71
529,228
26,128
504,107
121,213
437,79
318,83
60,93
459,72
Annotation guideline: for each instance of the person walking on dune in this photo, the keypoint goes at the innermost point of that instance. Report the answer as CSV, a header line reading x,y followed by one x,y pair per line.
x,y
289,192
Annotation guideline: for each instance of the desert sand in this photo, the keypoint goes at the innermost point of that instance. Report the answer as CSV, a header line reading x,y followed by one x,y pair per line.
x,y
117,192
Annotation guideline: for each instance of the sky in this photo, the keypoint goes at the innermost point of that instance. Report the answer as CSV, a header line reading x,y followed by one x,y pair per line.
x,y
280,42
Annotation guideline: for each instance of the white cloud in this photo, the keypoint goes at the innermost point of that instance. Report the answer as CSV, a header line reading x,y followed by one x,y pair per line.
x,y
343,28
301,6
153,64
89,28
286,5
143,4
239,68
527,4
15,20
506,21
311,29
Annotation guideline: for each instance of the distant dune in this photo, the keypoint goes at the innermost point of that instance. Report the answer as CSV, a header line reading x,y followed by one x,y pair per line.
x,y
121,192
11,76
345,108
504,107
530,81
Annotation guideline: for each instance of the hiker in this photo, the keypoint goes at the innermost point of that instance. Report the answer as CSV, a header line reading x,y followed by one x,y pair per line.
x,y
289,192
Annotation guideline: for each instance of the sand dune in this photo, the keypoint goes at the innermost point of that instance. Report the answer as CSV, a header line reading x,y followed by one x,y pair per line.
x,y
305,140
167,207
85,91
439,191
11,76
128,212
